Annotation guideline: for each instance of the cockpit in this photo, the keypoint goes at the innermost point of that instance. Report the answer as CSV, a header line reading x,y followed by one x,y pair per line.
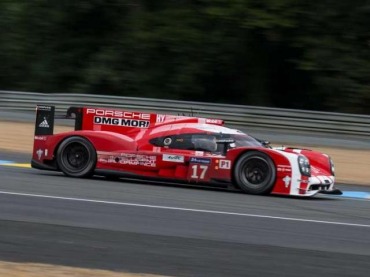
x,y
210,142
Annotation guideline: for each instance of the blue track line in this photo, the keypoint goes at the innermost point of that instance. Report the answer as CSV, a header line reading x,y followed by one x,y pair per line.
x,y
356,194
5,162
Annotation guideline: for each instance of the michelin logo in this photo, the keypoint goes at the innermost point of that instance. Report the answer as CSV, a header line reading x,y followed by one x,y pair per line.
x,y
197,160
44,124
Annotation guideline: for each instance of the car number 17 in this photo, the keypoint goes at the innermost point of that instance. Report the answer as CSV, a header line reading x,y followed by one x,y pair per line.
x,y
198,171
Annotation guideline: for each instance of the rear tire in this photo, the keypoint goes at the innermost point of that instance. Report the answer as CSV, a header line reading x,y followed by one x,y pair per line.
x,y
76,157
255,173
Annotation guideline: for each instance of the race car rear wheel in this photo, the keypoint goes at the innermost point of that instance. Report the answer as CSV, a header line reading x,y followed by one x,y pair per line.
x,y
255,173
76,157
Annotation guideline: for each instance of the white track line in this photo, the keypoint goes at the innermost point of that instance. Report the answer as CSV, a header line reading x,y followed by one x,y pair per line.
x,y
183,209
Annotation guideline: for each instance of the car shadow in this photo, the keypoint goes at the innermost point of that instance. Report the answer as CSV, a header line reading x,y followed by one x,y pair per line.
x,y
179,185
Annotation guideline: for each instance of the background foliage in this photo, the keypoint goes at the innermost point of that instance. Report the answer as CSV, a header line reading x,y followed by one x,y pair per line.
x,y
283,53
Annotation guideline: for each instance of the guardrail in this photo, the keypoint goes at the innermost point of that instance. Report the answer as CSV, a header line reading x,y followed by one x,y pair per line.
x,y
236,115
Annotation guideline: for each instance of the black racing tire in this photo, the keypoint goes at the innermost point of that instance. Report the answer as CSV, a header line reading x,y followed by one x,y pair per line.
x,y
76,157
255,173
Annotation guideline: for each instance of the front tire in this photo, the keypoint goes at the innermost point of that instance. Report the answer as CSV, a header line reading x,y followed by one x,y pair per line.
x,y
76,157
255,173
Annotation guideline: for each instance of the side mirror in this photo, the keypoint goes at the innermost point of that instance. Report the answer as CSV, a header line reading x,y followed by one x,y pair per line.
x,y
265,143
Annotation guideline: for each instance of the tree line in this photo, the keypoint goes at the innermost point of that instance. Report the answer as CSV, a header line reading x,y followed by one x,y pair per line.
x,y
280,53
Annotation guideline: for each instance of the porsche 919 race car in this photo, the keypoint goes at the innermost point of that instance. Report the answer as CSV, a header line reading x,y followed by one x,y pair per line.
x,y
172,148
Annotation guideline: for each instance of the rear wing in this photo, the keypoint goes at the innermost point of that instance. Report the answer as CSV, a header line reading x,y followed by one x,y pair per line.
x,y
107,119
45,117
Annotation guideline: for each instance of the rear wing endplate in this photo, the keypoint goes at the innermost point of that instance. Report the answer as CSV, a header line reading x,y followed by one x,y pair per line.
x,y
44,124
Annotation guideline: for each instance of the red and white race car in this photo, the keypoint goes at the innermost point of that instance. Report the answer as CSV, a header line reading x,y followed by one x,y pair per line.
x,y
171,148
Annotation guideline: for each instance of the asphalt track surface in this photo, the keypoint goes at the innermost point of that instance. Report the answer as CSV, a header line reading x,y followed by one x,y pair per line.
x,y
177,231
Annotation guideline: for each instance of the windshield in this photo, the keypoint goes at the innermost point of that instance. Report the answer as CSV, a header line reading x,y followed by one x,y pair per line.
x,y
240,140
210,142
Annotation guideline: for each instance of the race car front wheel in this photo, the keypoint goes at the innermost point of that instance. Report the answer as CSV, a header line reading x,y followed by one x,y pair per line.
x,y
76,157
255,173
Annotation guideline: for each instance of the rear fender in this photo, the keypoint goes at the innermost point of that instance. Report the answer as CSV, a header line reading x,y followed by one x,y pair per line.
x,y
101,140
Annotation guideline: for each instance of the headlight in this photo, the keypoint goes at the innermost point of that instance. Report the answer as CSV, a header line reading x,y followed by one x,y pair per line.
x,y
332,168
304,166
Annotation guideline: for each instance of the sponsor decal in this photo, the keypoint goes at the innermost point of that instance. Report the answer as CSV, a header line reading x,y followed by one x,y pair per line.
x,y
44,108
173,158
225,140
130,159
160,118
120,114
156,149
199,153
39,153
284,168
197,160
103,160
44,124
121,122
287,180
40,138
225,164
214,121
